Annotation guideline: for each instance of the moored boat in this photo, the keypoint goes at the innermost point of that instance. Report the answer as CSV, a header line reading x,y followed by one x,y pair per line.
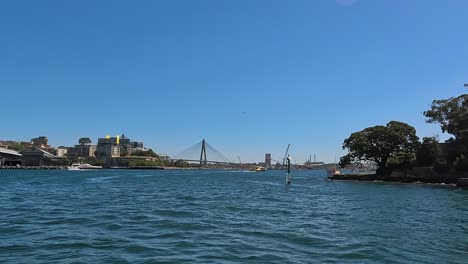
x,y
86,166
74,167
83,166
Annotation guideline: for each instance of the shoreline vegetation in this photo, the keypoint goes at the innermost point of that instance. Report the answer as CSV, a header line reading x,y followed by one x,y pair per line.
x,y
400,156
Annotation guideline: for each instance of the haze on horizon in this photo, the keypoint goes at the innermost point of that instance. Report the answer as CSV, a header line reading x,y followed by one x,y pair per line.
x,y
248,76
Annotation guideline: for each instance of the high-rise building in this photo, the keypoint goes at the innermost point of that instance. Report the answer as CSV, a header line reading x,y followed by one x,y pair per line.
x,y
108,147
268,160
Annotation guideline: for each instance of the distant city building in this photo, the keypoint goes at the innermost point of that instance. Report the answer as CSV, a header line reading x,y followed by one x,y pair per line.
x,y
83,150
268,160
108,151
127,147
137,145
61,151
109,140
108,148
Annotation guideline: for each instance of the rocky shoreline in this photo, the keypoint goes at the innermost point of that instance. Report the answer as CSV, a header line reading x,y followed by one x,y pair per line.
x,y
452,179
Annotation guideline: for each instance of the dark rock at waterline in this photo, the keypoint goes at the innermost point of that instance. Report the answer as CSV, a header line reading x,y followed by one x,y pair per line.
x,y
417,174
463,182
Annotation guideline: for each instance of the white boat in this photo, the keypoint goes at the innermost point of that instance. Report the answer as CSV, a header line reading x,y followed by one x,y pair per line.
x,y
74,167
83,166
86,166
332,172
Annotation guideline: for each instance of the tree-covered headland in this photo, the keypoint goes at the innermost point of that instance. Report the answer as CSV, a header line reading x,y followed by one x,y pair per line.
x,y
395,146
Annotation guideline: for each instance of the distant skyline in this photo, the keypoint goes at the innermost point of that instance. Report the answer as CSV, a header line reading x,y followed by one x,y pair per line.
x,y
248,76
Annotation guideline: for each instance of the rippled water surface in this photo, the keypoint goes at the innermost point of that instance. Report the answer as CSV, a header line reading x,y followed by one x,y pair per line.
x,y
208,216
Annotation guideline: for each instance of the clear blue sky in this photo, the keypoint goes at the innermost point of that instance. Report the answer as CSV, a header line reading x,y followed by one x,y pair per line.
x,y
250,76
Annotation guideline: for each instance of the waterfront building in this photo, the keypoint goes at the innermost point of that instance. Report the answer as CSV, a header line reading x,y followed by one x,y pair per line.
x,y
125,145
83,150
107,149
9,157
35,156
61,151
110,149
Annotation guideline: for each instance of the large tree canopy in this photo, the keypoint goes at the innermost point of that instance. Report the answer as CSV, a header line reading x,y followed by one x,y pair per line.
x,y
380,143
451,114
428,153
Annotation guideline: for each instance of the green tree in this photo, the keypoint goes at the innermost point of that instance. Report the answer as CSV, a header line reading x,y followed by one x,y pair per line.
x,y
345,160
461,163
181,164
66,161
451,114
428,153
18,146
148,153
152,153
396,140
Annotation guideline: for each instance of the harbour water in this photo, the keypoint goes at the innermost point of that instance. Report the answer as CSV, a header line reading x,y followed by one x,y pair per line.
x,y
214,216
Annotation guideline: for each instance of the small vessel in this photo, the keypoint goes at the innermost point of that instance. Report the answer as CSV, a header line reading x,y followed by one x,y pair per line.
x,y
74,167
83,166
86,166
333,171
258,168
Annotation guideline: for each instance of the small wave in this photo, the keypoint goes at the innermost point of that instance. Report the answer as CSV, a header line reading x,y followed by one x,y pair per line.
x,y
266,183
103,179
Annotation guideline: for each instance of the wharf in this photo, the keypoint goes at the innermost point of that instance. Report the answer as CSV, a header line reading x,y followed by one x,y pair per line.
x,y
32,168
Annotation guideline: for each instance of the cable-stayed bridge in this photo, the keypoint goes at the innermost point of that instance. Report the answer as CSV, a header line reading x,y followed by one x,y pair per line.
x,y
202,152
